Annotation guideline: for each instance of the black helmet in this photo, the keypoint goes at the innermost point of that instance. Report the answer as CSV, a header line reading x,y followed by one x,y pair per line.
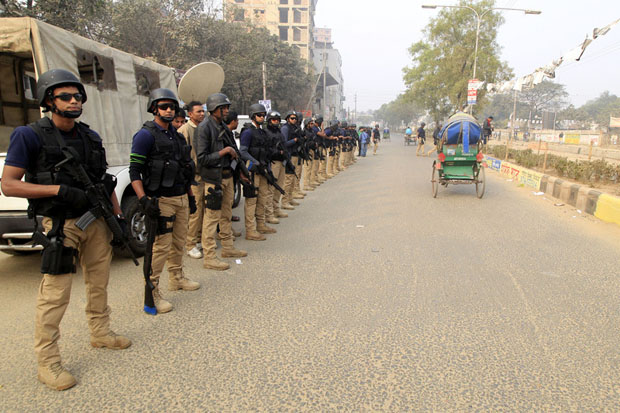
x,y
308,121
423,124
290,113
160,94
299,115
55,78
216,100
274,115
333,123
257,108
344,124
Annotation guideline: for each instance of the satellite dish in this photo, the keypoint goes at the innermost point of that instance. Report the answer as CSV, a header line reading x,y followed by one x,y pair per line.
x,y
200,81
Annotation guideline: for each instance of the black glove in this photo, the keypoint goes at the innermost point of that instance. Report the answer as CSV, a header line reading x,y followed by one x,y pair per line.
x,y
150,207
192,204
122,222
72,196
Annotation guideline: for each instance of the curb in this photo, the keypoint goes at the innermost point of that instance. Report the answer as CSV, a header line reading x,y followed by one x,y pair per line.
x,y
603,206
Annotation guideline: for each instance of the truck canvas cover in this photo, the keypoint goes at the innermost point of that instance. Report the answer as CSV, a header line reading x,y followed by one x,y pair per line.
x,y
117,83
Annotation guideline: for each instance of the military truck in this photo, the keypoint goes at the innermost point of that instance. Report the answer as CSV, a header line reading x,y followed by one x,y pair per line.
x,y
117,85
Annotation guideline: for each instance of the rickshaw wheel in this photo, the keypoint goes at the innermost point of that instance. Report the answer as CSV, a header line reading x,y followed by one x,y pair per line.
x,y
480,183
435,181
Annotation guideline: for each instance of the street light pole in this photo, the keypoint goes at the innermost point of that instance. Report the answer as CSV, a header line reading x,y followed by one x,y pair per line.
x,y
479,17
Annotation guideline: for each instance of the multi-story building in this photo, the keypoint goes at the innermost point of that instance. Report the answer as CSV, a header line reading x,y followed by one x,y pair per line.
x,y
329,94
291,20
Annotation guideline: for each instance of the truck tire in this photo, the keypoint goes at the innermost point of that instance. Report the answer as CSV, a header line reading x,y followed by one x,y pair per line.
x,y
136,226
237,197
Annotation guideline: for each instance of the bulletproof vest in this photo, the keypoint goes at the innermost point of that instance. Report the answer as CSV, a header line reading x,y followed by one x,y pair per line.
x,y
86,143
170,167
275,142
260,146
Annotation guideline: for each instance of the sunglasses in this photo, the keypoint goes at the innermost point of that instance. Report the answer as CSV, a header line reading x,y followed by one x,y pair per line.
x,y
166,106
260,115
66,97
293,118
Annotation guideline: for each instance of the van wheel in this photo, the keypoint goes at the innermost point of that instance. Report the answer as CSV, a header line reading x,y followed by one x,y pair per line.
x,y
136,226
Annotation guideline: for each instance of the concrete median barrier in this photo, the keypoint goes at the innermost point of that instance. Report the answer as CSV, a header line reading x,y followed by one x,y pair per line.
x,y
603,206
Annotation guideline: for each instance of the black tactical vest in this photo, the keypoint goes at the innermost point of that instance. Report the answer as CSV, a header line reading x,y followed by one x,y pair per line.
x,y
275,140
170,168
90,149
259,146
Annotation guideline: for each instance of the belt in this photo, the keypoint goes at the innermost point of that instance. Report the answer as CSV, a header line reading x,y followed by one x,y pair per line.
x,y
227,173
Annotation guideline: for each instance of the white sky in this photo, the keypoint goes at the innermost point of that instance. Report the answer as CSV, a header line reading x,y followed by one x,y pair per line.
x,y
373,38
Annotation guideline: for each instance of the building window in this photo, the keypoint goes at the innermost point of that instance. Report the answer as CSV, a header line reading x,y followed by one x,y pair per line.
x,y
239,1
296,35
283,1
239,15
296,16
146,80
284,33
283,15
297,2
96,70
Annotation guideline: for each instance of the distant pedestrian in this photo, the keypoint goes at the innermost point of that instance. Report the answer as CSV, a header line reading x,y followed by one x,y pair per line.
x,y
376,138
436,133
421,139
364,139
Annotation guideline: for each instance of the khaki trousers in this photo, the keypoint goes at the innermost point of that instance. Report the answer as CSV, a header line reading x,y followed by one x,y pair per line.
x,y
299,170
194,230
168,248
254,208
307,172
95,255
420,148
314,173
323,165
376,144
222,217
277,167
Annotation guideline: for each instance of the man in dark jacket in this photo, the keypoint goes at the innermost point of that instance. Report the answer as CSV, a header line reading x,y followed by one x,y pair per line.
x,y
217,159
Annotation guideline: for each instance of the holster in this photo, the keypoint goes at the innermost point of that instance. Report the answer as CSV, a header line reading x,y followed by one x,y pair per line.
x,y
58,259
162,224
213,200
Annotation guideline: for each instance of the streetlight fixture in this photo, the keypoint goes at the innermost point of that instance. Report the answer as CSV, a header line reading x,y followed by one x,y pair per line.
x,y
479,17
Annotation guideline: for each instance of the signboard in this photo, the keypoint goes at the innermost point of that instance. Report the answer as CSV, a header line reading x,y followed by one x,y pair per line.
x,y
614,122
472,96
266,104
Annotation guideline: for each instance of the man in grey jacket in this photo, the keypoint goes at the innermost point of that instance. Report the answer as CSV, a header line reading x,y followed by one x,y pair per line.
x,y
217,159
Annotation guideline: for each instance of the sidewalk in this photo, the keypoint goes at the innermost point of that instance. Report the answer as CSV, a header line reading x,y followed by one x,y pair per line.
x,y
571,152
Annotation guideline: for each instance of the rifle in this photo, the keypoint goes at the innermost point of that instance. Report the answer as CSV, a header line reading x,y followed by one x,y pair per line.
x,y
239,166
98,198
147,268
268,175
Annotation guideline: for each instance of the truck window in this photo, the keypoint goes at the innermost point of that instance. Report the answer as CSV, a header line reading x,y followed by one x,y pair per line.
x,y
18,104
96,70
146,79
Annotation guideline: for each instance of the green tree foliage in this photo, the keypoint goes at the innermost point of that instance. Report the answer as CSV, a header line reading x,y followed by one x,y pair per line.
x,y
443,60
180,34
600,109
399,111
547,95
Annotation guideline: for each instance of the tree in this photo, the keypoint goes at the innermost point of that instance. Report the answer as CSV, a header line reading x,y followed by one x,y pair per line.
x,y
443,61
600,109
401,110
544,96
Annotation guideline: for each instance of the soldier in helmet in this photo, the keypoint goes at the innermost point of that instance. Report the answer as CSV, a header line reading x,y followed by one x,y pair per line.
x,y
310,144
255,149
161,172
217,159
278,162
54,193
292,137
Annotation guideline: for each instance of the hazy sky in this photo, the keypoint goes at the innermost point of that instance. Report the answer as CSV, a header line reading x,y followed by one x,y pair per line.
x,y
373,38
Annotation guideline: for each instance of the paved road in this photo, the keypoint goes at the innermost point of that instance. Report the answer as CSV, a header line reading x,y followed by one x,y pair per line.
x,y
454,303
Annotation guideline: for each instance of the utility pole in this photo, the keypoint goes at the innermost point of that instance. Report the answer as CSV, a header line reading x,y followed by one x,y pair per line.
x,y
264,81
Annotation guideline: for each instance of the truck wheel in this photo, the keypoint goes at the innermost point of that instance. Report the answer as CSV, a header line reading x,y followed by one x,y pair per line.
x,y
136,225
237,197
